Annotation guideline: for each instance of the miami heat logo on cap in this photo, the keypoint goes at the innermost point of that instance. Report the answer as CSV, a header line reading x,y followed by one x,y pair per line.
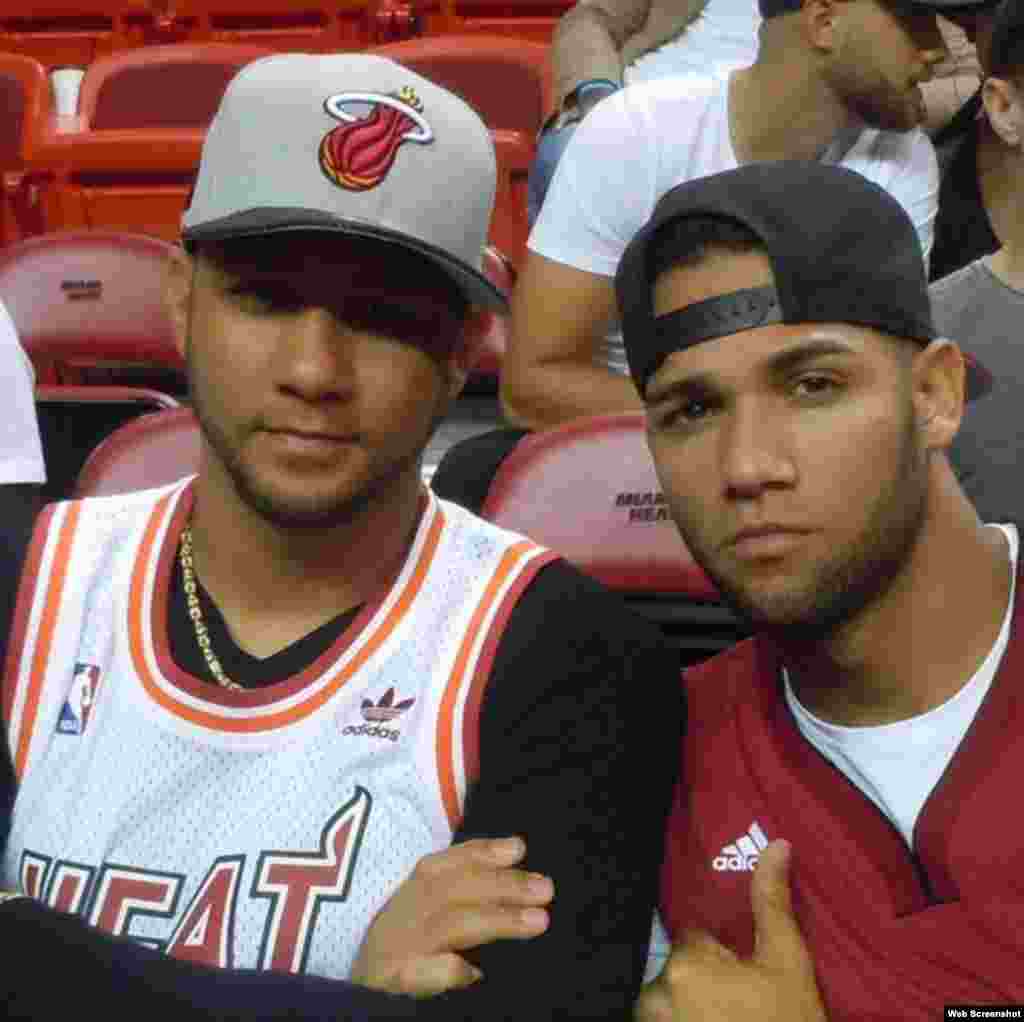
x,y
358,154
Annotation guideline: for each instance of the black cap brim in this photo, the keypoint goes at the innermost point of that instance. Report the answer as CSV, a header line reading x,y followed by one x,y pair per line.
x,y
473,284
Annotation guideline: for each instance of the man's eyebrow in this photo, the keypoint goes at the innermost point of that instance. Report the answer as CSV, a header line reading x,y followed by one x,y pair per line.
x,y
790,358
783,362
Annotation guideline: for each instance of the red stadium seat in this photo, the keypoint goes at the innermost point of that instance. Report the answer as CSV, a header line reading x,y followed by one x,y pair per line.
x,y
129,160
152,450
73,33
308,26
522,19
25,100
588,489
89,298
73,420
508,82
176,86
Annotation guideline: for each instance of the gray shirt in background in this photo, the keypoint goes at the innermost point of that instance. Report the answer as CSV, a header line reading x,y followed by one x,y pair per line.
x,y
986,318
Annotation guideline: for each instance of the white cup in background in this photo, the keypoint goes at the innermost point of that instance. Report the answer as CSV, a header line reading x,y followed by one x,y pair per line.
x,y
65,83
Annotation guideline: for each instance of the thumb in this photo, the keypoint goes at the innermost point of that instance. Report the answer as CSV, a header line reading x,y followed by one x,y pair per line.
x,y
436,974
775,927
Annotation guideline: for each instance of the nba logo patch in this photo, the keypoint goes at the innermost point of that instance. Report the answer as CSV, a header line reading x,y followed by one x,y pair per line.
x,y
74,717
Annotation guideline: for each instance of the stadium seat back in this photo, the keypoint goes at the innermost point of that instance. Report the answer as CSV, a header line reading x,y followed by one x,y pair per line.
x,y
308,26
89,298
508,82
152,450
520,19
178,86
62,33
143,117
73,420
25,102
588,489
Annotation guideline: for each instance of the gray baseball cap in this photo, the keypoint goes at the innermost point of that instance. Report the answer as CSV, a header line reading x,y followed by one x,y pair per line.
x,y
351,143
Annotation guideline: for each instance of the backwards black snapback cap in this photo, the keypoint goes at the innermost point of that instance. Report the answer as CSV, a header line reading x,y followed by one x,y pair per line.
x,y
842,250
1006,50
770,8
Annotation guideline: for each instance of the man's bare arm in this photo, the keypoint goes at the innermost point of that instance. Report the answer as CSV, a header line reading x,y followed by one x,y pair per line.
x,y
598,39
559,318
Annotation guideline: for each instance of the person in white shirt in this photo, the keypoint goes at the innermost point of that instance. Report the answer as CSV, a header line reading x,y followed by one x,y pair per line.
x,y
22,469
600,45
835,81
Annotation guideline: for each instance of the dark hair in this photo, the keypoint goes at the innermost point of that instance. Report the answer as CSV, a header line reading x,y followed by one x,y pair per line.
x,y
431,317
1006,53
404,264
686,242
770,8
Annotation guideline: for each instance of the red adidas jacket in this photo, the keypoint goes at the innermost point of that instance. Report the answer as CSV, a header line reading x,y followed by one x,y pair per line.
x,y
894,934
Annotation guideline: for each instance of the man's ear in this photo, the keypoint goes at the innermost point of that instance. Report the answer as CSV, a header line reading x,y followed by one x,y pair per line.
x,y
1004,108
939,382
178,295
822,24
467,349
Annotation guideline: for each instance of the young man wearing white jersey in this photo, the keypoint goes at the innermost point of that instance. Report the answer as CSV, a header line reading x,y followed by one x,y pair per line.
x,y
835,80
241,709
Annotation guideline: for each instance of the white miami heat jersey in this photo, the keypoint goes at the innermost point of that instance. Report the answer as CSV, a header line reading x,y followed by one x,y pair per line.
x,y
255,829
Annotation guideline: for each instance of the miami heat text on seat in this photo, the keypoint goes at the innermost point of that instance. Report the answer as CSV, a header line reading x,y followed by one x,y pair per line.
x,y
89,298
588,489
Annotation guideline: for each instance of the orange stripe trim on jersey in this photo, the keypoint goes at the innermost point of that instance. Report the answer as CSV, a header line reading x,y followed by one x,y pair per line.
x,y
137,589
44,640
484,663
271,721
446,713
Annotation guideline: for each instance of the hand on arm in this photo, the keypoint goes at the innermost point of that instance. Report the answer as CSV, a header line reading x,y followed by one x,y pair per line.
x,y
460,898
956,78
703,979
574,763
550,375
583,770
601,38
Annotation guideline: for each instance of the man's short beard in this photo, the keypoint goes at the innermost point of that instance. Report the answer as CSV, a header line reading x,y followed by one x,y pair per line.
x,y
858,578
319,515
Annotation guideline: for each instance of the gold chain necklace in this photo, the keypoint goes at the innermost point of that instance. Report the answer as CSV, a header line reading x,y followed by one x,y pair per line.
x,y
196,613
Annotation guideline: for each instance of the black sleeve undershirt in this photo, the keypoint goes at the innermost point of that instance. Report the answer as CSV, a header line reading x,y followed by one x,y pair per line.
x,y
579,747
580,727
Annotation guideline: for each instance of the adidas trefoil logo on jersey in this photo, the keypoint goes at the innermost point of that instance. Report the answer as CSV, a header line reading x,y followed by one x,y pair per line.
x,y
379,713
742,855
74,715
